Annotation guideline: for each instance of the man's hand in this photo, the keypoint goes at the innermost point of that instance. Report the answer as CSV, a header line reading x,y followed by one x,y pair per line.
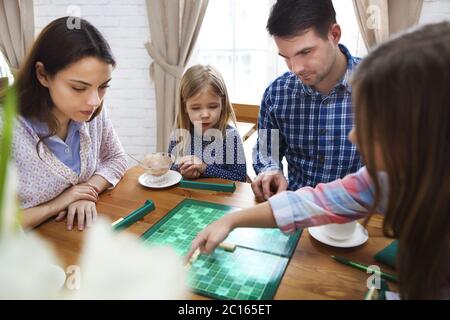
x,y
269,183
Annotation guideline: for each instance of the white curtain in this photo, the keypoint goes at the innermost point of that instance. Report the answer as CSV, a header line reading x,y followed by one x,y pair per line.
x,y
16,30
174,28
380,19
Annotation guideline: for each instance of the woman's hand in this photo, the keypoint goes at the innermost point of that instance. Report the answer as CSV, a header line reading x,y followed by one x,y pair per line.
x,y
72,194
85,211
62,203
59,206
88,184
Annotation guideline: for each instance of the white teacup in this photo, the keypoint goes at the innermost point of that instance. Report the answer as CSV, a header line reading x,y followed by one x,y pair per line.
x,y
340,232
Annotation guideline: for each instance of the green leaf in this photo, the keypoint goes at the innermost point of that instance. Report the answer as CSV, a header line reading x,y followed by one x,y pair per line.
x,y
9,113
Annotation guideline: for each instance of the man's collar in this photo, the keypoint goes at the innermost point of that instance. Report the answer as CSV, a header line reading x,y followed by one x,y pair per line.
x,y
352,63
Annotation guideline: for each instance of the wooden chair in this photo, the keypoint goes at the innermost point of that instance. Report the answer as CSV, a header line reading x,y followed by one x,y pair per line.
x,y
246,112
247,121
247,118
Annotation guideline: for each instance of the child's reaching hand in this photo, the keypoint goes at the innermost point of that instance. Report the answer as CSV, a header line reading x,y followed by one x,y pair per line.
x,y
213,235
260,216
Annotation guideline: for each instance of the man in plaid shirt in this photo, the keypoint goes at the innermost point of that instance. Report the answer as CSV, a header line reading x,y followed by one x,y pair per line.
x,y
306,114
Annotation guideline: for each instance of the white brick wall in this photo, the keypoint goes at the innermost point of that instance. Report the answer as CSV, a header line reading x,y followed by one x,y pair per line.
x,y
131,97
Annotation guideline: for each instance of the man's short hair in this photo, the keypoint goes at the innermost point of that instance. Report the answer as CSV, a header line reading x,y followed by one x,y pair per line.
x,y
289,18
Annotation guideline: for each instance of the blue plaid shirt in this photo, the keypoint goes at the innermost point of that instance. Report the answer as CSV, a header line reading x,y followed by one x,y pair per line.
x,y
313,130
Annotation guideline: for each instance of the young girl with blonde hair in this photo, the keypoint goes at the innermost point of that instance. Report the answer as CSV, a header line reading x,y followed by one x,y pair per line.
x,y
203,141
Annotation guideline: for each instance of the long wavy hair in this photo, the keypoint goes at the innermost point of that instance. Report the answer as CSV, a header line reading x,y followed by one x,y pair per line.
x,y
401,98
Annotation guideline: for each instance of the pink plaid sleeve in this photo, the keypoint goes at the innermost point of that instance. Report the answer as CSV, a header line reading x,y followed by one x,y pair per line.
x,y
340,201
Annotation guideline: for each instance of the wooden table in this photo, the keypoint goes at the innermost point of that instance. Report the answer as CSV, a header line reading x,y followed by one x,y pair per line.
x,y
311,273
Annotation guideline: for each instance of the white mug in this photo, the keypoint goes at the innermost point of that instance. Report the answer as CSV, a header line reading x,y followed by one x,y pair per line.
x,y
341,231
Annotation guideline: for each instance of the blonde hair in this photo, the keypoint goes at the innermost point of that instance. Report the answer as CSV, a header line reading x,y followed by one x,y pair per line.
x,y
195,79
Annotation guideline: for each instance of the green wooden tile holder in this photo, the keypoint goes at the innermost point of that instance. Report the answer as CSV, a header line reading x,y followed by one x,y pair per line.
x,y
223,187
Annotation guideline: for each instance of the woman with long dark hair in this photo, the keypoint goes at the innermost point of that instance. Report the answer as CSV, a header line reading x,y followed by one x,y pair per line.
x,y
65,147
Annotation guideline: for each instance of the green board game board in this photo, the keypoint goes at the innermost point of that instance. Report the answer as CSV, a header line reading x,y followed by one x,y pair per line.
x,y
252,271
271,241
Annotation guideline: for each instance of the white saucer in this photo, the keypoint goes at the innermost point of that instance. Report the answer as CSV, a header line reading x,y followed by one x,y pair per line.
x,y
173,177
360,236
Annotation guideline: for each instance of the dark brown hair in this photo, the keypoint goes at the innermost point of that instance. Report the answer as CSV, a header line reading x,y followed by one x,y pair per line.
x,y
57,47
401,98
289,18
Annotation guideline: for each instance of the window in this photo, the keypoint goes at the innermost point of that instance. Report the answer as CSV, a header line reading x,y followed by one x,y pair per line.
x,y
233,38
4,69
351,37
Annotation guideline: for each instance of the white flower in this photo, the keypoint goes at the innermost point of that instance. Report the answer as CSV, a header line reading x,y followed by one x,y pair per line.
x,y
28,268
119,266
112,265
